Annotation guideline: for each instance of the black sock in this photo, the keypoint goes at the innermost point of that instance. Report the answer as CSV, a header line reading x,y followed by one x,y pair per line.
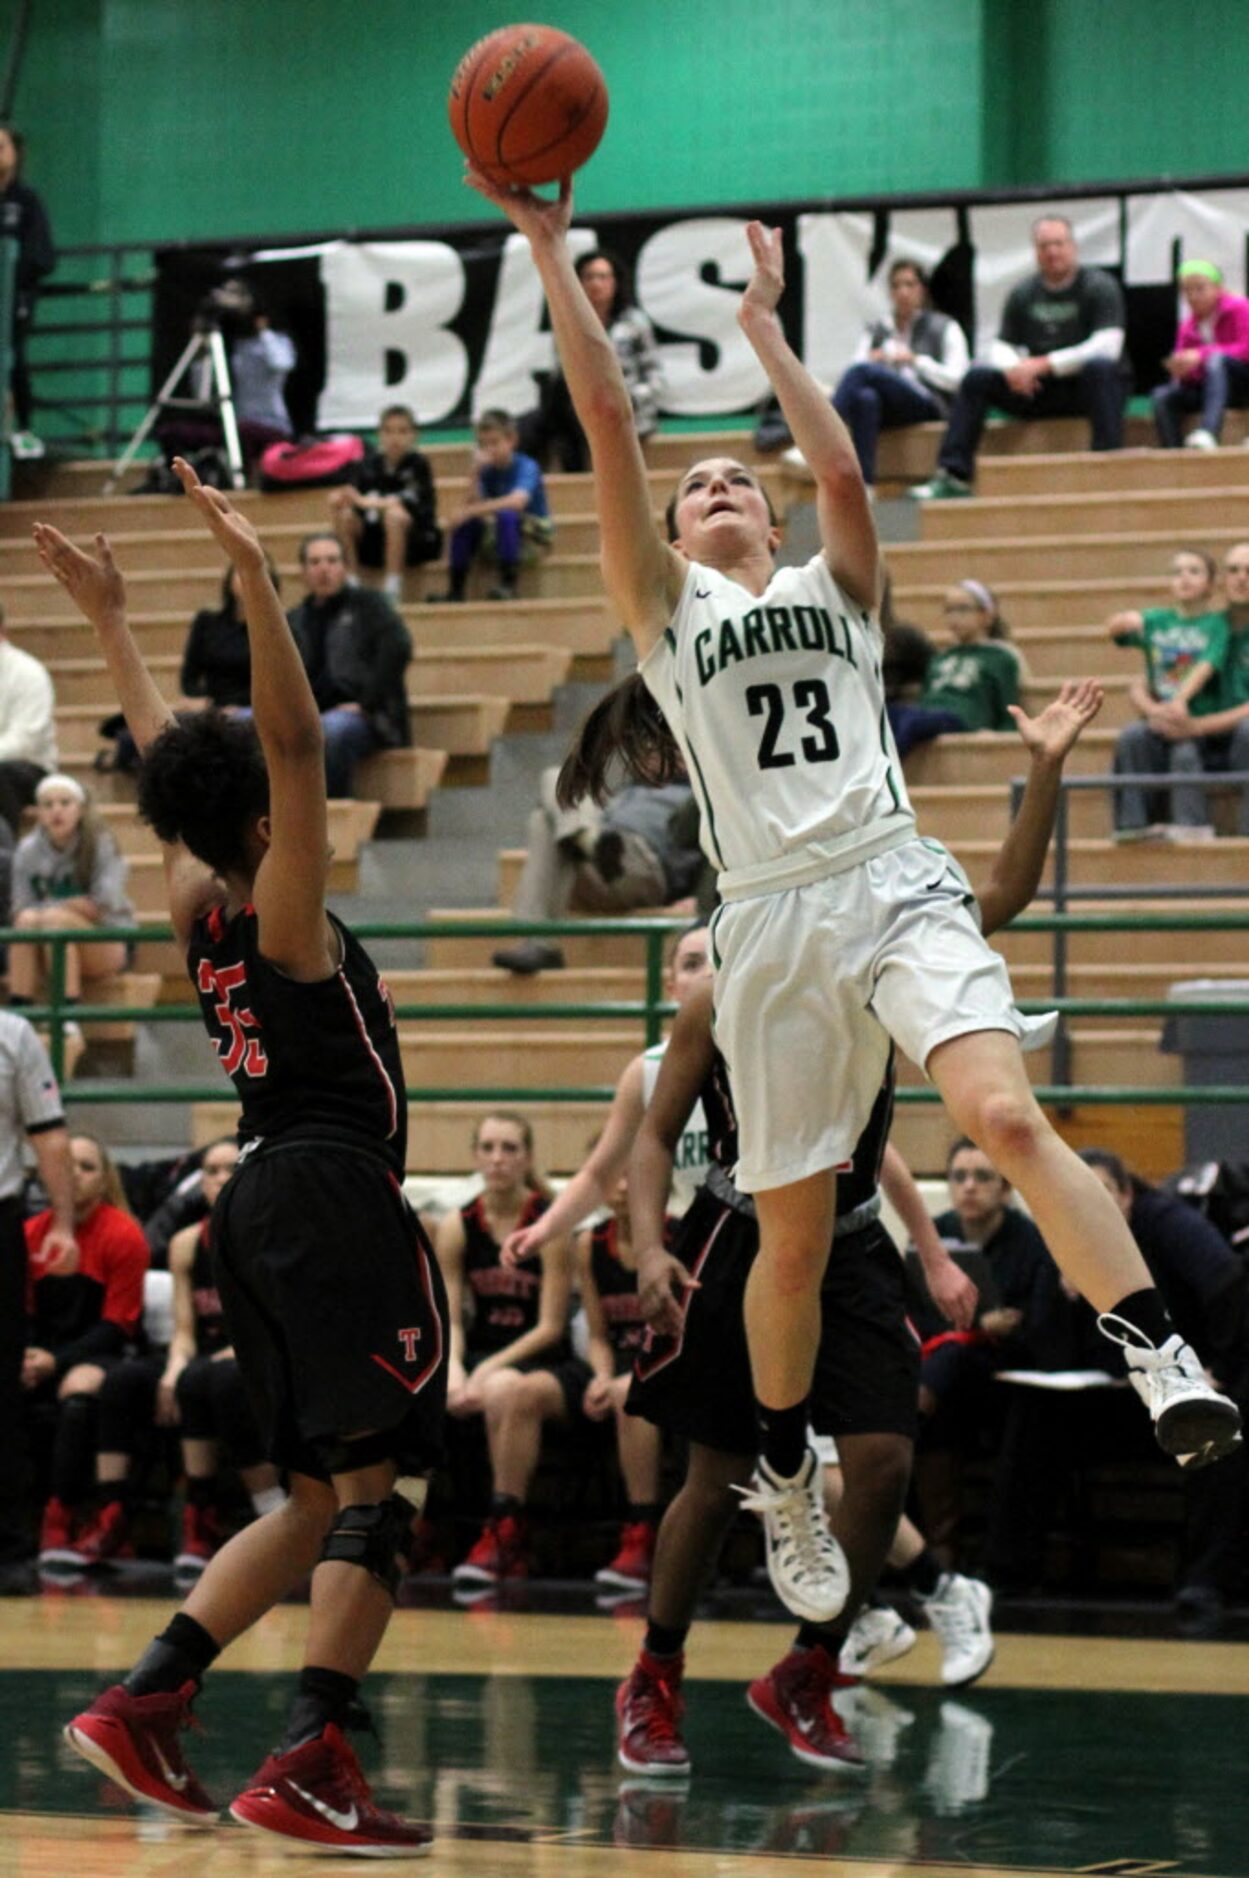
x,y
828,1637
16,1000
647,1515
181,1654
505,1506
1146,1312
783,1437
508,576
459,581
664,1639
922,1574
201,1490
323,1696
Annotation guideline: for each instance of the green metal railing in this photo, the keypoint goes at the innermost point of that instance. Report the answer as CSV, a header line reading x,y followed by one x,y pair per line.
x,y
650,1010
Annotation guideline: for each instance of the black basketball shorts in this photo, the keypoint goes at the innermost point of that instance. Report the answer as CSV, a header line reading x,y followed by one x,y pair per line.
x,y
334,1304
867,1369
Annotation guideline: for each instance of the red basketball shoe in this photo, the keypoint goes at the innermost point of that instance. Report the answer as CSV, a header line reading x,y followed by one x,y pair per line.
x,y
201,1537
106,1537
317,1794
796,1697
56,1535
499,1553
134,1740
631,1567
649,1709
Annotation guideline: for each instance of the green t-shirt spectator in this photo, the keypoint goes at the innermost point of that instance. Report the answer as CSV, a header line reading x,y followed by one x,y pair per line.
x,y
1234,690
976,682
1173,645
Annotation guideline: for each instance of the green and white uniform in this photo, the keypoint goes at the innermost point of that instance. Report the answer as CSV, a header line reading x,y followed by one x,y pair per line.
x,y
691,1157
840,928
976,682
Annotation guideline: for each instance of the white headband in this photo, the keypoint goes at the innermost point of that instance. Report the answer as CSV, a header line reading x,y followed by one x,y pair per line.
x,y
69,784
980,594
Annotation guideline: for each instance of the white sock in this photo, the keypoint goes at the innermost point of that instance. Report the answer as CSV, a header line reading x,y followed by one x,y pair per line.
x,y
268,1500
392,586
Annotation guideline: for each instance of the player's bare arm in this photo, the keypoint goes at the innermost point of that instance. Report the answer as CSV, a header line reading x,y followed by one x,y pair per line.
x,y
682,1073
289,892
847,527
95,584
592,1185
643,575
1048,737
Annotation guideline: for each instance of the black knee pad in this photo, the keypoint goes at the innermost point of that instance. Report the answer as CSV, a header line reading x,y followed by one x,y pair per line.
x,y
372,1537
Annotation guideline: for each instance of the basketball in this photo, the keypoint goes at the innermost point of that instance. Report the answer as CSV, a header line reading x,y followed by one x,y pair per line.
x,y
527,105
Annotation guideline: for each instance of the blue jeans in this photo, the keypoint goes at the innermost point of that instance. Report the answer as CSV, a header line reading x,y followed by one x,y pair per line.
x,y
871,398
467,539
1223,382
349,738
913,724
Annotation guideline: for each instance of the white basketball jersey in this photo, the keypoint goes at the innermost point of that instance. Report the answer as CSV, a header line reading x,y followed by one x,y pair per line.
x,y
778,704
690,1161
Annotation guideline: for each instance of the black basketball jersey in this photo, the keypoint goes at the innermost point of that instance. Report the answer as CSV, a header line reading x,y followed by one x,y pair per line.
x,y
505,1297
319,1058
211,1334
855,1186
617,1288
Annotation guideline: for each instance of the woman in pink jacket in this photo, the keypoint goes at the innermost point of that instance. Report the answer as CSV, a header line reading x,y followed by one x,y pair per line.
x,y
1209,368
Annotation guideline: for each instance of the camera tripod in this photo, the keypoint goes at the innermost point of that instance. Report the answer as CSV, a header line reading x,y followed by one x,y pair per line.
x,y
207,349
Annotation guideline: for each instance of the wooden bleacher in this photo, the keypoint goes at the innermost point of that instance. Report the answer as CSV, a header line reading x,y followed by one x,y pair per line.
x,y
1063,536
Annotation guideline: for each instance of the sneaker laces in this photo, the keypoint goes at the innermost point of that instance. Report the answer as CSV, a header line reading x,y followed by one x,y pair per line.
x,y
656,1707
800,1529
951,1615
1126,1334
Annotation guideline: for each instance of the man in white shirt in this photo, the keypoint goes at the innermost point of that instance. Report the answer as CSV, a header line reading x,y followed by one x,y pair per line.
x,y
27,728
1058,354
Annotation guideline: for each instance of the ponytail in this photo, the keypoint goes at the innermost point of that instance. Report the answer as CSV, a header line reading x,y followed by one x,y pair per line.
x,y
627,728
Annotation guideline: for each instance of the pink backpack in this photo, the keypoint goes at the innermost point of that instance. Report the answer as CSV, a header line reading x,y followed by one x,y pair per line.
x,y
315,464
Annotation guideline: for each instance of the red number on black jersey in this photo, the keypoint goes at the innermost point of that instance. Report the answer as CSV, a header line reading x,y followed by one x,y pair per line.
x,y
233,1048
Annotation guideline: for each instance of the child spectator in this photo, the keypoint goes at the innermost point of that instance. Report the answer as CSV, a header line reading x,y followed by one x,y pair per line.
x,y
607,1280
386,515
1223,734
974,684
554,426
68,872
508,518
1185,647
1209,368
510,1360
79,1326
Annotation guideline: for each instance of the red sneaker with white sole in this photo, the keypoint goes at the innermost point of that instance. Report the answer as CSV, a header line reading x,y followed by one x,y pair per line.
x,y
201,1537
796,1697
106,1537
56,1534
649,1709
498,1553
630,1570
134,1740
317,1794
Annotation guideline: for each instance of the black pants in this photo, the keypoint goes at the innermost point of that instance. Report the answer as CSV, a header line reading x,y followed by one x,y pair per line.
x,y
18,782
12,1350
1098,392
554,429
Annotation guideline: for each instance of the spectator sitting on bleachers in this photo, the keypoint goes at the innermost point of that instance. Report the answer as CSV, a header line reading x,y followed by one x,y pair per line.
x,y
80,1324
1222,733
356,650
553,427
589,859
506,520
510,1358
68,872
24,219
958,1366
606,1266
905,371
1208,369
1058,354
386,514
1205,1286
973,683
27,728
1185,647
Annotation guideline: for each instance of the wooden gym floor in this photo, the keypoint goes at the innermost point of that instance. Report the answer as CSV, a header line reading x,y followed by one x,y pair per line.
x,y
1112,1756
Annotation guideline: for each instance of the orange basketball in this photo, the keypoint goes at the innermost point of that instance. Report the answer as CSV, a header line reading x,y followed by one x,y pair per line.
x,y
527,105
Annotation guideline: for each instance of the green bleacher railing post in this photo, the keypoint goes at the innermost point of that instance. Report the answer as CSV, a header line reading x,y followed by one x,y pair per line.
x,y
8,292
654,984
56,999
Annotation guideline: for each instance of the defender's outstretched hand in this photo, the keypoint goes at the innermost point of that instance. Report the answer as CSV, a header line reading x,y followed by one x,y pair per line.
x,y
229,527
92,581
541,218
1052,732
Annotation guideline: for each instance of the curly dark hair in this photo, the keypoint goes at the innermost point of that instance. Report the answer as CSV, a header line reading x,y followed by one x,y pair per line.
x,y
203,782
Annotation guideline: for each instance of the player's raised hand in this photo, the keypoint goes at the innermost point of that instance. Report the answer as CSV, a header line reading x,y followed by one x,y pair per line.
x,y
541,218
92,581
1052,732
229,527
767,282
